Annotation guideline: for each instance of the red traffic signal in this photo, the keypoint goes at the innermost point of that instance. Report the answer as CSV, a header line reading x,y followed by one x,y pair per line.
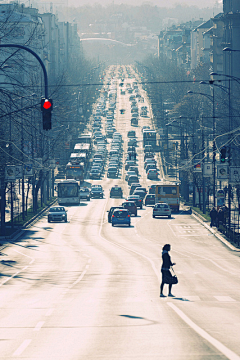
x,y
46,105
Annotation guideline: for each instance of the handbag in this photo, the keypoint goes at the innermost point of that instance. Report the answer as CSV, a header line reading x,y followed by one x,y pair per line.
x,y
174,277
171,279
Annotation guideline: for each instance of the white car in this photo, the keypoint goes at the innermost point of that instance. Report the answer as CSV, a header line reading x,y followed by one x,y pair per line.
x,y
162,209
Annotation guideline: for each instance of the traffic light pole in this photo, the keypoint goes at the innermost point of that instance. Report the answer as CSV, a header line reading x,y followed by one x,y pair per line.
x,y
36,56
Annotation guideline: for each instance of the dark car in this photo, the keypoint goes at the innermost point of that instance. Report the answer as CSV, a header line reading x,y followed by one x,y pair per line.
x,y
132,179
112,172
131,207
136,198
85,193
133,188
140,193
110,212
121,217
96,193
116,191
150,199
57,213
152,189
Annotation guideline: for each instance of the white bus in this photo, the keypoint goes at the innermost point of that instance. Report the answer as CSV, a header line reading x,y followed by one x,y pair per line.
x,y
68,192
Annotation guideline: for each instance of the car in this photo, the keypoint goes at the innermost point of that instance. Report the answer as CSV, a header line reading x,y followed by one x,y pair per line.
x,y
148,156
134,121
111,210
161,209
133,168
95,174
85,193
152,189
57,213
116,191
150,199
145,128
129,163
121,217
133,188
131,207
151,166
96,193
152,174
131,134
140,193
132,179
148,149
129,173
132,142
136,198
112,172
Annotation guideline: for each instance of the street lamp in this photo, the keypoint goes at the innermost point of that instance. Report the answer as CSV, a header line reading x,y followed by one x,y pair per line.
x,y
211,98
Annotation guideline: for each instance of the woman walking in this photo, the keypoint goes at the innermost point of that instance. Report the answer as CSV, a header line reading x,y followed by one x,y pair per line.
x,y
166,274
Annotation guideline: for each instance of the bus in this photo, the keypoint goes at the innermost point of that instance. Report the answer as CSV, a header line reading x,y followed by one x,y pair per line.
x,y
83,148
168,192
150,138
78,158
68,192
75,171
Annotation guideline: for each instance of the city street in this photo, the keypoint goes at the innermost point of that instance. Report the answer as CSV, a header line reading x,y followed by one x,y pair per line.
x,y
87,290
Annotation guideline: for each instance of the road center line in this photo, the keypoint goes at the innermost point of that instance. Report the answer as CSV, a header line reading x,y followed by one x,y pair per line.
x,y
22,347
217,344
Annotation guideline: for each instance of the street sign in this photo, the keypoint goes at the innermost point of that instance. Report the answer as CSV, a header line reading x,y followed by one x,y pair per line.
x,y
19,171
28,169
222,172
197,167
10,173
234,174
207,169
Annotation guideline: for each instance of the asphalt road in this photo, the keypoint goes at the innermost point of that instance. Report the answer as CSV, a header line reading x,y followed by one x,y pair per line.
x,y
86,290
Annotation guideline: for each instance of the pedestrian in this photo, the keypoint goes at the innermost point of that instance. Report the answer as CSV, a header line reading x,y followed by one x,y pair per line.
x,y
165,270
220,216
213,216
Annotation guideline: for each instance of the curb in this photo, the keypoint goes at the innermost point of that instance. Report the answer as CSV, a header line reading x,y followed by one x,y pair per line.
x,y
214,232
21,231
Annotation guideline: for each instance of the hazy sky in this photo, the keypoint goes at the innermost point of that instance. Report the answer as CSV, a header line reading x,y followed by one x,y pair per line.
x,y
161,3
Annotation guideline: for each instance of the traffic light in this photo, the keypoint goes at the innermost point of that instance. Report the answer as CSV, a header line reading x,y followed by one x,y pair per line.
x,y
46,108
223,153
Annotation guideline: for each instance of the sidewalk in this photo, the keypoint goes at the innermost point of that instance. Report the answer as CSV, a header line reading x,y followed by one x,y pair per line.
x,y
215,232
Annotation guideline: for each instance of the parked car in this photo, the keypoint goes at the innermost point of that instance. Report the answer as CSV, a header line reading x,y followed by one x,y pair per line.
x,y
121,217
150,199
57,213
131,207
161,209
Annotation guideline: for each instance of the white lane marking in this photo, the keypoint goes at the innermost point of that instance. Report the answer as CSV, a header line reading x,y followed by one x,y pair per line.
x,y
49,312
22,347
79,279
38,326
217,344
224,298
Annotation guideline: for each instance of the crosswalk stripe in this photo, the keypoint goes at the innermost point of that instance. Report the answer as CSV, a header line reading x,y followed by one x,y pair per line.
x,y
224,298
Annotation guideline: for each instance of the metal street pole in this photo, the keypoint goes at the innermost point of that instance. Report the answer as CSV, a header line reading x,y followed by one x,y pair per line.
x,y
214,151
